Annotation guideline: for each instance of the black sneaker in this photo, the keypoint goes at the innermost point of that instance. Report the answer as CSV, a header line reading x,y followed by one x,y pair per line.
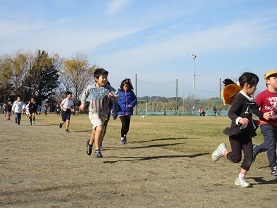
x,y
67,131
97,153
60,125
274,171
89,148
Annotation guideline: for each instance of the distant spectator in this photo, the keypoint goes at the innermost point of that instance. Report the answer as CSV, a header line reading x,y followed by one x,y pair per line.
x,y
202,112
9,108
164,112
215,111
17,108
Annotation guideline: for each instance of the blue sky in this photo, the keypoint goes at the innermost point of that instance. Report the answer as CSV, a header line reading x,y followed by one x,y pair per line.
x,y
151,38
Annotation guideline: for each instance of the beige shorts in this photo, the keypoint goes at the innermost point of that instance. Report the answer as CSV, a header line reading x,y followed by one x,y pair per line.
x,y
96,119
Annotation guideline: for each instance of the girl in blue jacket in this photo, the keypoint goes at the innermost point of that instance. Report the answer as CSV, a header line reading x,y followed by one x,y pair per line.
x,y
124,107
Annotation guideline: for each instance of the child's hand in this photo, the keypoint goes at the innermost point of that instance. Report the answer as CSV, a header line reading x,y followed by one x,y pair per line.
x,y
266,115
82,107
110,95
243,121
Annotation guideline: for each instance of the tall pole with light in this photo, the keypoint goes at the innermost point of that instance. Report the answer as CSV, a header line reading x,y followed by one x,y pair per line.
x,y
194,56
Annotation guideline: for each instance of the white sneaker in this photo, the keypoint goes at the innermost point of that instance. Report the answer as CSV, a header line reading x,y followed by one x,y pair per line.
x,y
218,152
241,182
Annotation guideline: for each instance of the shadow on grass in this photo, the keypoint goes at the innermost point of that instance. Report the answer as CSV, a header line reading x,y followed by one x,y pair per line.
x,y
261,181
160,139
87,131
155,145
146,158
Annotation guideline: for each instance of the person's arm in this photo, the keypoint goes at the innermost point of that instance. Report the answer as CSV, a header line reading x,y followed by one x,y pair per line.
x,y
236,106
13,107
83,99
134,100
62,103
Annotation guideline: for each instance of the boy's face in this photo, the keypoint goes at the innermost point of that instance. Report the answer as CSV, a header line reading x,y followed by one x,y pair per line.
x,y
102,80
271,82
69,96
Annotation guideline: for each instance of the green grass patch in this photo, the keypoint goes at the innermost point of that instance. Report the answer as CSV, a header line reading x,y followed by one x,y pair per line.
x,y
186,134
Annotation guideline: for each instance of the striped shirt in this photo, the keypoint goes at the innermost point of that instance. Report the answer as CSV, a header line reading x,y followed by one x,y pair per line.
x,y
98,98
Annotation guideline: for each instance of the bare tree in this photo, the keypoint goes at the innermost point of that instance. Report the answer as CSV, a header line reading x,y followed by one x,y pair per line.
x,y
77,74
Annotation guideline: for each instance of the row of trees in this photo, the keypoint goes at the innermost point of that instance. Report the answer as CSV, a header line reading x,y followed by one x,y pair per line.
x,y
158,104
47,77
42,76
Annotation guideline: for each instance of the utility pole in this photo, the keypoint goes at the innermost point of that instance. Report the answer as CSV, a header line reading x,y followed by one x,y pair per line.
x,y
177,95
136,93
194,56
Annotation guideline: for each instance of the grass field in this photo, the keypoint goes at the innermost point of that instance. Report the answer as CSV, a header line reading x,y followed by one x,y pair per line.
x,y
192,134
166,163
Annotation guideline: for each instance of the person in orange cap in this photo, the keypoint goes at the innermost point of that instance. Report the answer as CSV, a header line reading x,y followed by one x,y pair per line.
x,y
267,100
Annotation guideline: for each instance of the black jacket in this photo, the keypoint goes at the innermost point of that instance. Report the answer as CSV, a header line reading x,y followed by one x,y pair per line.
x,y
242,107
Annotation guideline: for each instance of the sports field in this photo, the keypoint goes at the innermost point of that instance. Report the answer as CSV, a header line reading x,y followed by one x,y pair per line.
x,y
166,163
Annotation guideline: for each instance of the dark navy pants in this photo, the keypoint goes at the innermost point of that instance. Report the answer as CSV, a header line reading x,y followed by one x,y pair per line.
x,y
17,118
269,145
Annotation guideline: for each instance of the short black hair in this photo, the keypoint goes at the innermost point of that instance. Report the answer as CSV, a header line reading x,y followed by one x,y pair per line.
x,y
250,78
100,71
68,93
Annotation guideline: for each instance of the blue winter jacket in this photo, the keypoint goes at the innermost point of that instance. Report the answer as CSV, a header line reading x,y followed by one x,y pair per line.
x,y
125,104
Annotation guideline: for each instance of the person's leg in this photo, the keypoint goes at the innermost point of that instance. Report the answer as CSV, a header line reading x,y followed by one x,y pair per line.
x,y
105,126
67,122
128,121
98,136
244,144
235,154
63,119
9,115
19,118
269,133
16,118
123,129
247,148
123,126
92,136
68,114
31,117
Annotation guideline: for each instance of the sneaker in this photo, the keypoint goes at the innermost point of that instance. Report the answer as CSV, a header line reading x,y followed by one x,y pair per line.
x,y
123,140
89,148
241,182
255,153
60,125
218,152
97,153
274,171
67,131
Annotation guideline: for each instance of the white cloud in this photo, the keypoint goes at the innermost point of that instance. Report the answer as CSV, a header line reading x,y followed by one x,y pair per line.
x,y
116,5
226,38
